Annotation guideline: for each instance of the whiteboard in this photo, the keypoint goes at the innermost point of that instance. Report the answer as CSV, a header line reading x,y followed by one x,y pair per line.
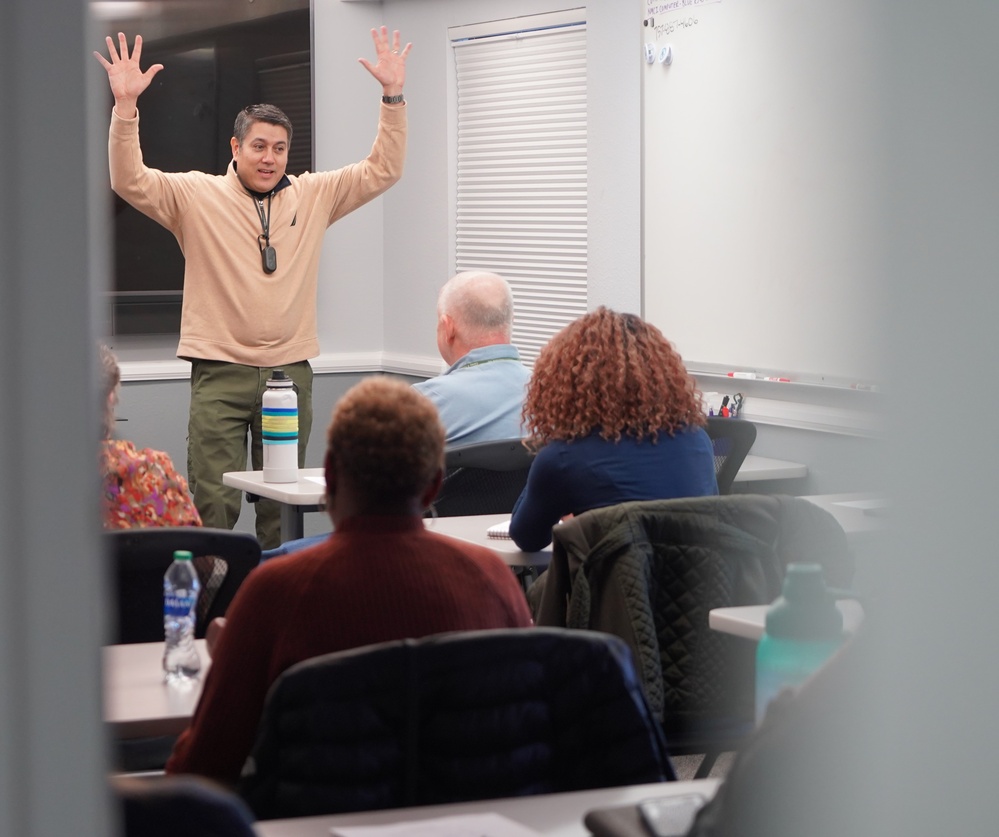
x,y
763,182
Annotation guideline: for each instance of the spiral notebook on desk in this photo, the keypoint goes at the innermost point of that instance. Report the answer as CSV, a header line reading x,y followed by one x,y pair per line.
x,y
499,530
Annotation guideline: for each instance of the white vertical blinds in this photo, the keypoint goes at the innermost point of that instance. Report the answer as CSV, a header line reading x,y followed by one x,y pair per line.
x,y
521,170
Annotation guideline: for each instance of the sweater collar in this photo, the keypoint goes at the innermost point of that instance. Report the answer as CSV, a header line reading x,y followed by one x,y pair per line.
x,y
380,523
283,183
484,354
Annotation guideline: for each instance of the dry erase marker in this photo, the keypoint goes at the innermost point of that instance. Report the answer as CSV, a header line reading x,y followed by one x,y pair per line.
x,y
780,380
749,376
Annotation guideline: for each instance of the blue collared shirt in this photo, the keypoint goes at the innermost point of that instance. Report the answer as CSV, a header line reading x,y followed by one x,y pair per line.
x,y
481,396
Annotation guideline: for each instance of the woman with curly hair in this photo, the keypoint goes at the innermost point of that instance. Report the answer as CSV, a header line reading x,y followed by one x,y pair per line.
x,y
614,416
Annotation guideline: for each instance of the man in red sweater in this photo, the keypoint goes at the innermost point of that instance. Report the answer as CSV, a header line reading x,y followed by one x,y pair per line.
x,y
379,576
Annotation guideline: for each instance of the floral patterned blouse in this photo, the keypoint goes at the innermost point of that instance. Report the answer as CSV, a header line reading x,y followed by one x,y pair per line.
x,y
141,488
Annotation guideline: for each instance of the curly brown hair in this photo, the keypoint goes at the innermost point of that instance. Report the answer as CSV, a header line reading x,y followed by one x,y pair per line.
x,y
387,439
611,373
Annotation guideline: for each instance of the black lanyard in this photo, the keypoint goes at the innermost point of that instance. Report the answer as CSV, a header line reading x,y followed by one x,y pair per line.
x,y
268,255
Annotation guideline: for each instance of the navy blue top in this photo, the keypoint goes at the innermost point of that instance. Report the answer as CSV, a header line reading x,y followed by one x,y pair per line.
x,y
574,477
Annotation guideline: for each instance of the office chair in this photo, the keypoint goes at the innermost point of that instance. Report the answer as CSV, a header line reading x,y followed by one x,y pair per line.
x,y
189,805
732,439
453,717
650,571
483,478
141,556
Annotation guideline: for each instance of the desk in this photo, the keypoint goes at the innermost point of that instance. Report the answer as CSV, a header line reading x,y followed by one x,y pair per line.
x,y
749,621
309,493
472,529
296,498
554,815
756,468
861,525
137,702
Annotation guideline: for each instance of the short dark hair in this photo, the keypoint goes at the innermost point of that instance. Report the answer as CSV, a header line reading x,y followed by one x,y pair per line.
x,y
387,439
271,114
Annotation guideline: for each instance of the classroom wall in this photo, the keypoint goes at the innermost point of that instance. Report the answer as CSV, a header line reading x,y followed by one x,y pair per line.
x,y
383,264
417,256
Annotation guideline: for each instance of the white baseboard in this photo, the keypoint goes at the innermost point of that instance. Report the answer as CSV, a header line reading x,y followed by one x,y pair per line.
x,y
807,415
330,363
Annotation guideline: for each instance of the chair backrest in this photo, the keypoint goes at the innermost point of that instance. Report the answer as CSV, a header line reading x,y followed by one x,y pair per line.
x,y
483,478
164,806
141,556
651,571
732,439
453,717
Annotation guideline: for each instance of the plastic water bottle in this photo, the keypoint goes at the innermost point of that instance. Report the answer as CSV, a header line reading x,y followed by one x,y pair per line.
x,y
279,424
803,629
180,597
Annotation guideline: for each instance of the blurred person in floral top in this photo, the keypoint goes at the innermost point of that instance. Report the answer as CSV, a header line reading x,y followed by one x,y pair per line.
x,y
138,487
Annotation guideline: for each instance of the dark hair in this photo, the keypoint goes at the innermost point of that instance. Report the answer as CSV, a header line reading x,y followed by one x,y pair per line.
x,y
611,373
259,113
387,439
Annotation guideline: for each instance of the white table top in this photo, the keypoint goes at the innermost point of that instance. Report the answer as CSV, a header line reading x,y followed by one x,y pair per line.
x,y
554,815
137,701
749,621
472,529
862,514
764,468
856,522
310,489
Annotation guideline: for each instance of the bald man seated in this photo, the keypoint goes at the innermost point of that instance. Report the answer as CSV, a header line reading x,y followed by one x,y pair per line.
x,y
481,395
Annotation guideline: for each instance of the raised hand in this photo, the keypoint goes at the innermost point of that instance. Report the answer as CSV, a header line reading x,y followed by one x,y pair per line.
x,y
125,76
390,66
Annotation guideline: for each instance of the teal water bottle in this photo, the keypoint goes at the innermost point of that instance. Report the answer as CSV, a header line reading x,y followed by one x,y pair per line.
x,y
803,629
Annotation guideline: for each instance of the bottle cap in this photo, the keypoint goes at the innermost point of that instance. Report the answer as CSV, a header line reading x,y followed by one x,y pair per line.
x,y
806,610
182,555
278,378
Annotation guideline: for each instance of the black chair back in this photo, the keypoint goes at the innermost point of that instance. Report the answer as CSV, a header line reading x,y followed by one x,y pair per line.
x,y
140,557
453,717
483,478
732,439
164,806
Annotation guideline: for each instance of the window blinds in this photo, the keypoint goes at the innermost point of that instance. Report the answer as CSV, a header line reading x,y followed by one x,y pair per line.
x,y
521,170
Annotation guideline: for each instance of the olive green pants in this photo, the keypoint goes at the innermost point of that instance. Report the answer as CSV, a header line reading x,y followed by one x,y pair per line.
x,y
226,401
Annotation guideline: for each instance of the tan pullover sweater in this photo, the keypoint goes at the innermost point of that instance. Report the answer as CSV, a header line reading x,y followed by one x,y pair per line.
x,y
232,310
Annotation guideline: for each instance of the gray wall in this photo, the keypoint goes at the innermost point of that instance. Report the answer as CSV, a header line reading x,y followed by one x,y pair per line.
x,y
52,594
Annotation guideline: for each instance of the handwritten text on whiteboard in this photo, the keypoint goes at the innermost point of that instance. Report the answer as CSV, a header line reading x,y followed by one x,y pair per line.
x,y
664,7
